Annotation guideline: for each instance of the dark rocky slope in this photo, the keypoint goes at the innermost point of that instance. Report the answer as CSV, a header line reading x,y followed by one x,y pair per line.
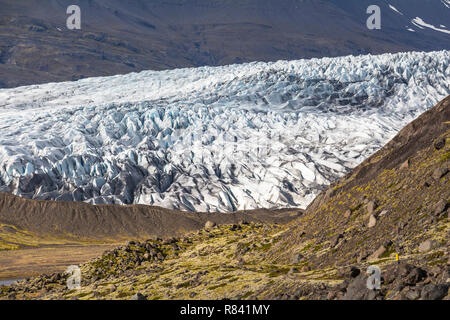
x,y
125,36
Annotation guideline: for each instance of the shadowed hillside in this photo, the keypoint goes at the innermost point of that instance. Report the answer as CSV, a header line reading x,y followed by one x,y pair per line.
x,y
119,37
78,220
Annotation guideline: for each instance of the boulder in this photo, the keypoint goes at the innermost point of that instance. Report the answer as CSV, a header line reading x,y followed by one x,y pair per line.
x,y
362,256
371,206
404,165
293,270
336,239
439,173
306,269
434,291
439,144
297,258
138,296
330,193
209,225
383,213
426,246
428,182
353,272
372,221
357,290
388,243
414,276
347,214
440,207
235,227
412,294
378,253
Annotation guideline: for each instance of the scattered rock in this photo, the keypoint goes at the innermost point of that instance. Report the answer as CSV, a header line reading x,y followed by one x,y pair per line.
x,y
387,243
169,241
138,296
347,213
378,253
440,207
383,213
439,173
402,225
305,269
331,295
404,165
354,272
362,256
293,270
414,276
426,246
297,258
371,206
235,227
357,290
372,221
330,193
349,272
434,291
11,296
209,225
439,144
336,239
412,294
428,182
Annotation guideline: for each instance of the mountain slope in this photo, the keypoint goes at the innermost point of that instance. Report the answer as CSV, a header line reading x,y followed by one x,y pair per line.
x,y
240,137
74,220
397,201
126,36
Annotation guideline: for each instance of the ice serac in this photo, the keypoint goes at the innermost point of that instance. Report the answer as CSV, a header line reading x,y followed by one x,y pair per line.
x,y
212,139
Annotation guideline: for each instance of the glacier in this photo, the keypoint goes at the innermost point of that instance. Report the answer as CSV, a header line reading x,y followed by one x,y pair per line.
x,y
212,139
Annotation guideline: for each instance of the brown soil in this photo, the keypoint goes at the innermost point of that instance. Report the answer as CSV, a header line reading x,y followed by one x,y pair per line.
x,y
80,220
17,264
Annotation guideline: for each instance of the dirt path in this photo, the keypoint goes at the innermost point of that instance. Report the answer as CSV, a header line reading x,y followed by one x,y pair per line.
x,y
17,264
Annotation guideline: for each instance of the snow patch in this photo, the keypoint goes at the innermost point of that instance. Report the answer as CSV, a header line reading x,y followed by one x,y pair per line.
x,y
395,9
418,22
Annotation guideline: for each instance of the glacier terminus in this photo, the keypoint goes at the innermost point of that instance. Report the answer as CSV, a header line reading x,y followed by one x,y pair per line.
x,y
238,137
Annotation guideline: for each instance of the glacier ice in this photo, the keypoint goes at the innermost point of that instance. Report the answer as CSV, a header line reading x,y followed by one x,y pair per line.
x,y
213,138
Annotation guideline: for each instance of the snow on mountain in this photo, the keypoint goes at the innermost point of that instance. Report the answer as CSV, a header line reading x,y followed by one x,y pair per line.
x,y
395,9
422,24
212,138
